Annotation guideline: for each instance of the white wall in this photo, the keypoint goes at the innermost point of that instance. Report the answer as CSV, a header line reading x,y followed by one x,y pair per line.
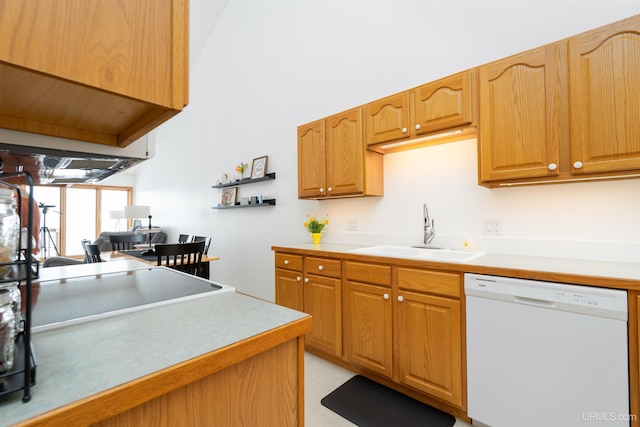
x,y
270,66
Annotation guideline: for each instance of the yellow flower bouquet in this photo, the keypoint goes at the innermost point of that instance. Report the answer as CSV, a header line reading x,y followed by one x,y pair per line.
x,y
315,225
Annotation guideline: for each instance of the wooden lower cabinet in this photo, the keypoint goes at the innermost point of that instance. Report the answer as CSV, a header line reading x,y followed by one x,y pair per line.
x,y
420,311
367,327
402,325
318,294
322,300
430,345
289,289
428,323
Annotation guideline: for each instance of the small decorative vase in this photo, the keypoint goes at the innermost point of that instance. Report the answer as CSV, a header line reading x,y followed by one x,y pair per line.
x,y
315,238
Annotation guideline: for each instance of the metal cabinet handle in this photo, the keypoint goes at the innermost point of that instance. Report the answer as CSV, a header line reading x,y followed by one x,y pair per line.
x,y
577,164
552,166
400,298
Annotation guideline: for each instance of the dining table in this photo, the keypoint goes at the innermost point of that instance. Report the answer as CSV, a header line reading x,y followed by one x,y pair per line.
x,y
137,255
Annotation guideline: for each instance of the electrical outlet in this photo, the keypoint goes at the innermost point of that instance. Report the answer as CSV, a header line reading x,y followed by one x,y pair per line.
x,y
492,227
352,224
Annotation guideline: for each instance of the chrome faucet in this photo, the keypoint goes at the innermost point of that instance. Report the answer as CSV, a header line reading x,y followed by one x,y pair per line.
x,y
429,226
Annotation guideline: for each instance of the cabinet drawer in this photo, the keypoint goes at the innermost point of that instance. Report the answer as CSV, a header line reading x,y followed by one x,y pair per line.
x,y
289,262
433,282
323,267
368,273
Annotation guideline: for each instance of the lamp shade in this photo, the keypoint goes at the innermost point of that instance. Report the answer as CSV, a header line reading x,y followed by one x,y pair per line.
x,y
135,211
116,214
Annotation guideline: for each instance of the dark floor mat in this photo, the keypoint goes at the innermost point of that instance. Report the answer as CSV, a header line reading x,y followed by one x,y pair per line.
x,y
369,404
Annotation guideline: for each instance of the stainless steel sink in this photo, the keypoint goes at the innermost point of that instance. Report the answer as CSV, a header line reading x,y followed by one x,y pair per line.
x,y
419,253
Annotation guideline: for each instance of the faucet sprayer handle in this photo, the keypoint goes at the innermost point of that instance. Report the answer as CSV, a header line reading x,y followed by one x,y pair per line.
x,y
425,212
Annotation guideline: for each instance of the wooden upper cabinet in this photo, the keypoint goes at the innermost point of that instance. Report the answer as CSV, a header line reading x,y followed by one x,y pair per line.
x,y
519,123
345,153
96,70
604,69
311,159
437,107
444,104
333,160
562,112
388,119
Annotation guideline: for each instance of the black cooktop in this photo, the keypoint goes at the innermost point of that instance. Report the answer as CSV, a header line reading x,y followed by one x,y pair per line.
x,y
65,300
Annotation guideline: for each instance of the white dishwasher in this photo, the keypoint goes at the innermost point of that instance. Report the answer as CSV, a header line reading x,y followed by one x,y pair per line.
x,y
545,354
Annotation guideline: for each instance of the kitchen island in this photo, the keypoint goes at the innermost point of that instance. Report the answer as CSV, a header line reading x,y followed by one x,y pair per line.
x,y
221,359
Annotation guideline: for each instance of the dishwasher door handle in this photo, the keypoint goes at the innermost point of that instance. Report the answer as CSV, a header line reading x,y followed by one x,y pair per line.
x,y
534,301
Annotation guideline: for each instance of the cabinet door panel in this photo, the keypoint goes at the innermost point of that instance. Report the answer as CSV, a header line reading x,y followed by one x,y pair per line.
x,y
322,300
519,116
388,119
345,153
125,46
444,104
367,327
289,289
430,347
605,98
311,159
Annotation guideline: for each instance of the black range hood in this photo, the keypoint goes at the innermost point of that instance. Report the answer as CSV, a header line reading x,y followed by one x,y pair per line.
x,y
56,166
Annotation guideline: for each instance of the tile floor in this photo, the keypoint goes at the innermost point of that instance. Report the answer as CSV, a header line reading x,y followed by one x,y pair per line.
x,y
320,379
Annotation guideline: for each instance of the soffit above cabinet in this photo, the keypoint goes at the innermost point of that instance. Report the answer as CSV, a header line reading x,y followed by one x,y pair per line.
x,y
100,71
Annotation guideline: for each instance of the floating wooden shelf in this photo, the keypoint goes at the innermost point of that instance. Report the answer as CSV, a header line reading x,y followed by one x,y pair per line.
x,y
265,202
267,177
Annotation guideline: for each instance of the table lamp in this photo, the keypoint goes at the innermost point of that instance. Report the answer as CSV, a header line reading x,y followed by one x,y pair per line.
x,y
117,215
137,212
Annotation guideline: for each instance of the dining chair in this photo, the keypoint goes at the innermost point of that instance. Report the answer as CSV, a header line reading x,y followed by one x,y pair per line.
x,y
206,240
84,243
185,238
126,242
93,253
185,257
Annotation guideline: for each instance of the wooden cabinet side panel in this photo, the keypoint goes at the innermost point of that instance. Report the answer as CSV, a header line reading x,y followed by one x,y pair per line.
x,y
605,98
518,116
263,390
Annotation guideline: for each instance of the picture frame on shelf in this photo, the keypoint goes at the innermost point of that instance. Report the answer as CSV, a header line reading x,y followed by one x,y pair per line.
x,y
259,167
228,197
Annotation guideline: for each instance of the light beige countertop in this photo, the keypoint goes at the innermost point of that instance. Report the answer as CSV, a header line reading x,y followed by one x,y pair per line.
x,y
586,272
